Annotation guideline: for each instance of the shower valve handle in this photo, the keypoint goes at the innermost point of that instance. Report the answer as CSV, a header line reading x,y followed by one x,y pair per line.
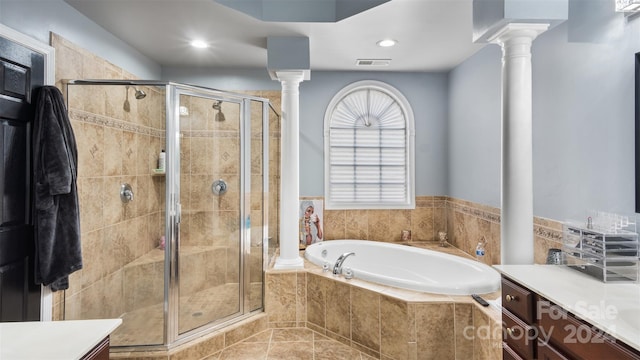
x,y
126,193
219,187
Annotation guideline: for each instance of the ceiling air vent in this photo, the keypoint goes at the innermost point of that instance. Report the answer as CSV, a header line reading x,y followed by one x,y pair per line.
x,y
373,62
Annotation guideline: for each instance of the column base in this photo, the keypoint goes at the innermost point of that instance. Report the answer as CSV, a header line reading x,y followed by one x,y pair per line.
x,y
287,264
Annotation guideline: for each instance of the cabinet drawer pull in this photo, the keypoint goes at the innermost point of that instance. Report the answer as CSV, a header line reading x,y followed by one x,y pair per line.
x,y
511,298
511,331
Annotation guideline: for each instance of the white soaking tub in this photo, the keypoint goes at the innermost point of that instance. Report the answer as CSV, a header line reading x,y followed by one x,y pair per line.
x,y
407,267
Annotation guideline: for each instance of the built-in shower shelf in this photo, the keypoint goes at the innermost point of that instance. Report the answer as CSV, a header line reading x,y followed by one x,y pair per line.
x,y
157,172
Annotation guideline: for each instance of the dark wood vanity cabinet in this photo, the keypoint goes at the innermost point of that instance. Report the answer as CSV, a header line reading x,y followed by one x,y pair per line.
x,y
518,321
547,352
534,328
577,338
99,352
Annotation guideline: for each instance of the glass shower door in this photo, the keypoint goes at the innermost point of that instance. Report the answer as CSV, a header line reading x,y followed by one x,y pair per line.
x,y
211,198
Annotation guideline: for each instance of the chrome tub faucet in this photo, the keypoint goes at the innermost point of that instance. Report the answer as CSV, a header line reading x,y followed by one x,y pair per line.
x,y
337,267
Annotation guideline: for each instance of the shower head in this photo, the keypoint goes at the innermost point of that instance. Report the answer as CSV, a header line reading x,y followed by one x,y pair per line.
x,y
138,93
217,105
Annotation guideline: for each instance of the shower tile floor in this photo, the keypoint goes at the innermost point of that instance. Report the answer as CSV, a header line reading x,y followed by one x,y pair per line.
x,y
289,344
145,326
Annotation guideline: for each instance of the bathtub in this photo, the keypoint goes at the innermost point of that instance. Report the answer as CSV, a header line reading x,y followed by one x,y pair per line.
x,y
408,267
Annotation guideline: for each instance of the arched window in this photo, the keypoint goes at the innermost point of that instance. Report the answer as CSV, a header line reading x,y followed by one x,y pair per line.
x,y
369,148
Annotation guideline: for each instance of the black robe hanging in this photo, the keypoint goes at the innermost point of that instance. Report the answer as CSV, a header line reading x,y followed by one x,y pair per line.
x,y
56,211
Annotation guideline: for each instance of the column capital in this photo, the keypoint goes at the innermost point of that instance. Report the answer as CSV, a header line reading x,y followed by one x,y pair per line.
x,y
518,30
290,75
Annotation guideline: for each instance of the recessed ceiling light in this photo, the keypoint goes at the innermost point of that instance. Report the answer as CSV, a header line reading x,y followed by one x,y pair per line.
x,y
200,44
386,43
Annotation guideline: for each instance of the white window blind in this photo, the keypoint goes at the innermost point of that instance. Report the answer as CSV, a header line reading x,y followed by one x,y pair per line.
x,y
368,147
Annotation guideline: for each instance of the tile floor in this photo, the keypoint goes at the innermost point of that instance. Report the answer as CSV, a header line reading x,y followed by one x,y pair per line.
x,y
289,344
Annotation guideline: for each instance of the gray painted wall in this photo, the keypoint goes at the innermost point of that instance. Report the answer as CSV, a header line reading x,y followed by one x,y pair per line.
x,y
427,94
583,117
37,18
474,128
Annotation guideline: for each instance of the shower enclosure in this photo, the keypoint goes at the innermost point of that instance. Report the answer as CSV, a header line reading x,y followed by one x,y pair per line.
x,y
175,250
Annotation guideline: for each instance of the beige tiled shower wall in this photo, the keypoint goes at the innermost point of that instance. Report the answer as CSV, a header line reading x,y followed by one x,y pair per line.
x,y
114,146
465,222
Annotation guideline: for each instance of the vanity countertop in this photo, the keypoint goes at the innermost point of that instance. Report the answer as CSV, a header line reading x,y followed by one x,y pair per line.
x,y
57,340
611,307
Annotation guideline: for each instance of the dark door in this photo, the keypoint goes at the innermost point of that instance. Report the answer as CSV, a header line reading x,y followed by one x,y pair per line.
x,y
21,72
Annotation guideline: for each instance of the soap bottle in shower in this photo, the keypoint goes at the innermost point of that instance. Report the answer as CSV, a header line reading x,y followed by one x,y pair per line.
x,y
162,160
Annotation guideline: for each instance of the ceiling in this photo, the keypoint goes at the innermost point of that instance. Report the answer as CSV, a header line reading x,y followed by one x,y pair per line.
x,y
432,35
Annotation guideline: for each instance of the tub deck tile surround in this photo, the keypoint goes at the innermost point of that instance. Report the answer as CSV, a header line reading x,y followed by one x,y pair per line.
x,y
464,320
338,311
281,298
365,318
388,323
395,329
410,325
436,335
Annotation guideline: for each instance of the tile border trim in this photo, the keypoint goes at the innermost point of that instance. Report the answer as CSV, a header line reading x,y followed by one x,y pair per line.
x,y
100,120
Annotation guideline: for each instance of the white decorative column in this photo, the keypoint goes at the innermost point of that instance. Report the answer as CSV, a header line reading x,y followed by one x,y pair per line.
x,y
289,179
516,223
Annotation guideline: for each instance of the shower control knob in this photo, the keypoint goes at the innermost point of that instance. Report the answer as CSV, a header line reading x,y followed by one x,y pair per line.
x,y
219,187
126,193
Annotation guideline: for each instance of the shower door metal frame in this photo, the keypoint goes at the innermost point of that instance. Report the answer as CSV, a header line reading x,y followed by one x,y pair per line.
x,y
173,214
174,209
